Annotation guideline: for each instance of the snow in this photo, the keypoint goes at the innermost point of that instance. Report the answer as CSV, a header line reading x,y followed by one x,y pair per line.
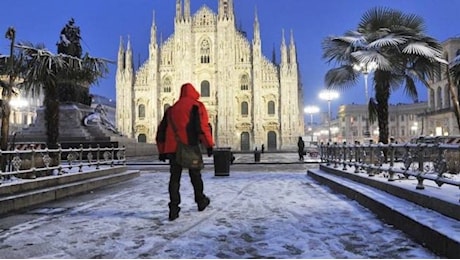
x,y
263,211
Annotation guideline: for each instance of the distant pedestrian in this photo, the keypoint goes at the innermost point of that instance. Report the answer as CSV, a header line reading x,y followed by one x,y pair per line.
x,y
300,148
186,120
263,148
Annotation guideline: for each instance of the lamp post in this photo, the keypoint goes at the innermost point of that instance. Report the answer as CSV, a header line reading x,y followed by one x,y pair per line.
x,y
365,69
311,110
329,95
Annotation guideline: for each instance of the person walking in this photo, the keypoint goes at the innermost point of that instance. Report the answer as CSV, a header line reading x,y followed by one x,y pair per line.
x,y
300,148
191,124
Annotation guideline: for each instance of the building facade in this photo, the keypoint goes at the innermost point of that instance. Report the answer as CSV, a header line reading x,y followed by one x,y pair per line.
x,y
440,112
251,100
405,121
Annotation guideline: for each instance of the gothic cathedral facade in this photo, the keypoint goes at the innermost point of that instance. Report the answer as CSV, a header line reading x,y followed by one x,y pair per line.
x,y
251,100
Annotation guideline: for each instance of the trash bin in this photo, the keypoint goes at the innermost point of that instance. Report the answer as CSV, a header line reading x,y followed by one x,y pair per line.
x,y
222,160
257,156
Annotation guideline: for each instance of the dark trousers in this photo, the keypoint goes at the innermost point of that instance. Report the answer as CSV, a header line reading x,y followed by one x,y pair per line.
x,y
174,183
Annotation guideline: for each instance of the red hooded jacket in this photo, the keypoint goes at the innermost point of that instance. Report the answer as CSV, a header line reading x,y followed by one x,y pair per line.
x,y
191,121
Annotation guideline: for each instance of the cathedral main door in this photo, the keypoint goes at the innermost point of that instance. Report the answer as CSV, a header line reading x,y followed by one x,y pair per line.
x,y
271,138
245,145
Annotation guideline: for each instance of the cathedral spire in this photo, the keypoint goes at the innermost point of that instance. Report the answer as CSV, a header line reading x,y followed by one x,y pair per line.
x,y
256,29
226,10
187,10
292,50
178,10
121,55
284,58
153,46
129,55
153,30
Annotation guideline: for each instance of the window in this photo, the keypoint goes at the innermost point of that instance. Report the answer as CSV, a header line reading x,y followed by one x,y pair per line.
x,y
447,97
432,99
271,107
167,85
244,82
205,89
439,98
244,109
205,51
141,111
402,118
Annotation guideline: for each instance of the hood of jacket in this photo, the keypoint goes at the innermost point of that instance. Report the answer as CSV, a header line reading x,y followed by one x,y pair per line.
x,y
188,90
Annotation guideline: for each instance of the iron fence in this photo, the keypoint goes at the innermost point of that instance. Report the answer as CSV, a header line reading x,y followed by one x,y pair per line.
x,y
437,162
30,163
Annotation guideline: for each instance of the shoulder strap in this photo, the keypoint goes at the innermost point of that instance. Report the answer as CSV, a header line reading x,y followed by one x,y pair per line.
x,y
173,126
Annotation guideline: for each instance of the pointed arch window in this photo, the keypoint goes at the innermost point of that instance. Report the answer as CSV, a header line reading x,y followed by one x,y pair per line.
x,y
141,111
205,89
271,108
205,51
244,82
244,109
167,85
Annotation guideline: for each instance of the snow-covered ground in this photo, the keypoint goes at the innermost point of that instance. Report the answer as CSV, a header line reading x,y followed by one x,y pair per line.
x,y
272,211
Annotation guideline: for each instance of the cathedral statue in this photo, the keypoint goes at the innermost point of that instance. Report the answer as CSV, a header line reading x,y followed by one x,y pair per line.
x,y
70,44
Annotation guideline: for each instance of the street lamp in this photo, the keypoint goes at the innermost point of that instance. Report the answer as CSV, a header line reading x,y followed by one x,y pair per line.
x,y
329,95
365,69
311,110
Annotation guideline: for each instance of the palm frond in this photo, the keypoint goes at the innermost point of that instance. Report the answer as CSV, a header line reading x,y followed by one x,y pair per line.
x,y
422,49
390,40
341,77
410,88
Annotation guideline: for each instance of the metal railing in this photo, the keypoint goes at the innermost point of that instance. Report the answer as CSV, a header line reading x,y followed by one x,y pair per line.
x,y
31,163
437,162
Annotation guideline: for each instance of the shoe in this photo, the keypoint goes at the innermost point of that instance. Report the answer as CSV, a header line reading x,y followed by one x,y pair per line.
x,y
203,204
173,213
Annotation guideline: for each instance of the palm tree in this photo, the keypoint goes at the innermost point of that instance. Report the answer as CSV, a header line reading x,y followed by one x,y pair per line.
x,y
46,70
397,44
7,68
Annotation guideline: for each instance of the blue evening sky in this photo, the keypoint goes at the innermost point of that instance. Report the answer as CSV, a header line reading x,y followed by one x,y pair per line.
x,y
103,22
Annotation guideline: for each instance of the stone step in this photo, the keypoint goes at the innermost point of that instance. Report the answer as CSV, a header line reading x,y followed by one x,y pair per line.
x,y
405,209
27,193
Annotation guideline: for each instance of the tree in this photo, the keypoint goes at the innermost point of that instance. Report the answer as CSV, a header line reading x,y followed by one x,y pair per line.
x,y
45,70
397,44
7,67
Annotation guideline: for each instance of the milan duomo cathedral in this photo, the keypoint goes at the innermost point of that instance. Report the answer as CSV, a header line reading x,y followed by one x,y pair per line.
x,y
251,100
